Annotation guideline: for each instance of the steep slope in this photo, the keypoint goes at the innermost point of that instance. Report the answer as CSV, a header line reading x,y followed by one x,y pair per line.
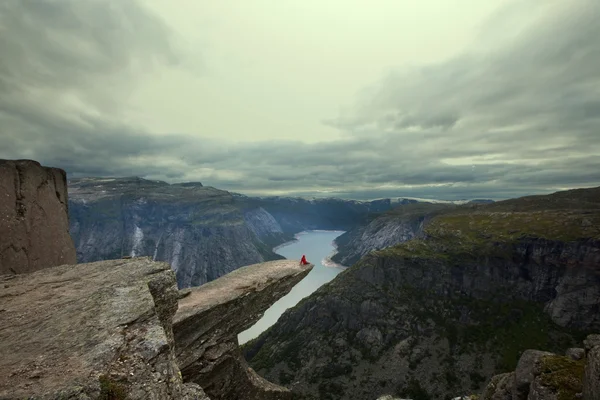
x,y
384,230
202,232
436,317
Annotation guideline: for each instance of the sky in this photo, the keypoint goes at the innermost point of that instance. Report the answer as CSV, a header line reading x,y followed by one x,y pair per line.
x,y
338,98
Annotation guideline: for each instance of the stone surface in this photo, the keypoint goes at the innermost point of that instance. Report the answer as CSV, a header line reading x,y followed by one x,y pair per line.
x,y
211,316
542,376
34,224
591,380
527,370
91,330
500,387
575,353
388,229
104,330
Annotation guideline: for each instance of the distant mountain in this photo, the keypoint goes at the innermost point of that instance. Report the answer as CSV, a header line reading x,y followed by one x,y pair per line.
x,y
201,231
437,316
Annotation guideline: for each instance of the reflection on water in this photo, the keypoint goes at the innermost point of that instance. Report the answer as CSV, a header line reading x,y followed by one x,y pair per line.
x,y
317,246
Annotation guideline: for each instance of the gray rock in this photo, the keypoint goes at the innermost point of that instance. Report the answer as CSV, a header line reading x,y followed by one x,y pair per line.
x,y
591,380
34,224
210,318
540,392
79,332
575,353
527,370
120,328
393,227
500,387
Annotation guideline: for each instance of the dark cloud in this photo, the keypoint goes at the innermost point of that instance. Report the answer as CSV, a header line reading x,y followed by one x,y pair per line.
x,y
497,122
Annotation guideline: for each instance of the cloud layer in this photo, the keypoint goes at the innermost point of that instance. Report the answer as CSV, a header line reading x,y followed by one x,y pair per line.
x,y
521,117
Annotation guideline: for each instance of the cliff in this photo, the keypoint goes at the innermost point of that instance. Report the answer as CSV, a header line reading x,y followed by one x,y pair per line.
x,y
113,330
201,231
211,316
34,224
398,225
439,315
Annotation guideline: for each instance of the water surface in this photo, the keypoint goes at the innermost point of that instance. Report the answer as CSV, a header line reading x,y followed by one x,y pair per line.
x,y
318,247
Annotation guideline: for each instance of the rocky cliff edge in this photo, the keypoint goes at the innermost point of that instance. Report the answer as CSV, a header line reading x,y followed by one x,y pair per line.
x,y
34,224
112,330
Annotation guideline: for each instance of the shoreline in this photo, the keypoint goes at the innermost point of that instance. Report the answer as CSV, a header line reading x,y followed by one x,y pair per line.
x,y
330,263
279,246
326,262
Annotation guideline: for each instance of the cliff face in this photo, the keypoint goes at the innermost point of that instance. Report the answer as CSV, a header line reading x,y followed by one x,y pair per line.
x,y
439,315
202,232
115,330
34,224
396,226
99,330
541,375
211,316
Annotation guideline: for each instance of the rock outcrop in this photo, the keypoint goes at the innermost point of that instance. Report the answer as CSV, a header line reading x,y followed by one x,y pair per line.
x,y
34,223
211,316
439,315
542,375
104,330
393,227
591,380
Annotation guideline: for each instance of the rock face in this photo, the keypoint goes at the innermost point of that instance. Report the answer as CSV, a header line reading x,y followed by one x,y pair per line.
x,y
34,223
211,316
546,376
94,330
591,382
439,315
104,330
202,232
396,226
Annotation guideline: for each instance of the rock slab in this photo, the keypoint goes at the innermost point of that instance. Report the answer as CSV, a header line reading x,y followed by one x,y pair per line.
x,y
211,316
121,330
98,330
34,222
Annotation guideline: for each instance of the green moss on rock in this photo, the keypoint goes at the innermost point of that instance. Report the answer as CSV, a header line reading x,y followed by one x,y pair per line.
x,y
563,375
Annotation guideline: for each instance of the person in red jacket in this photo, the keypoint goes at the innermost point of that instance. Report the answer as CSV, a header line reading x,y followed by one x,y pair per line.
x,y
303,260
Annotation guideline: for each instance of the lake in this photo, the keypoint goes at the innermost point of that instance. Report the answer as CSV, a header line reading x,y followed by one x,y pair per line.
x,y
318,247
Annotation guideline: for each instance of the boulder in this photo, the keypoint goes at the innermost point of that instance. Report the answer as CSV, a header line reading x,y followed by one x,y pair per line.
x,y
34,222
527,370
500,387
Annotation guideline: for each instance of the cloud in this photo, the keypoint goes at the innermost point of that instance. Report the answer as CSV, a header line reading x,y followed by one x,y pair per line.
x,y
517,118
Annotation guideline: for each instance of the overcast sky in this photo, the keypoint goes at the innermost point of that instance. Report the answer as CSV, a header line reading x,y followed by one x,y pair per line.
x,y
363,99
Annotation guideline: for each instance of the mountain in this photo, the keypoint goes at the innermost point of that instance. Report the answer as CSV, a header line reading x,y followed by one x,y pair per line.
x,y
201,231
383,230
437,316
